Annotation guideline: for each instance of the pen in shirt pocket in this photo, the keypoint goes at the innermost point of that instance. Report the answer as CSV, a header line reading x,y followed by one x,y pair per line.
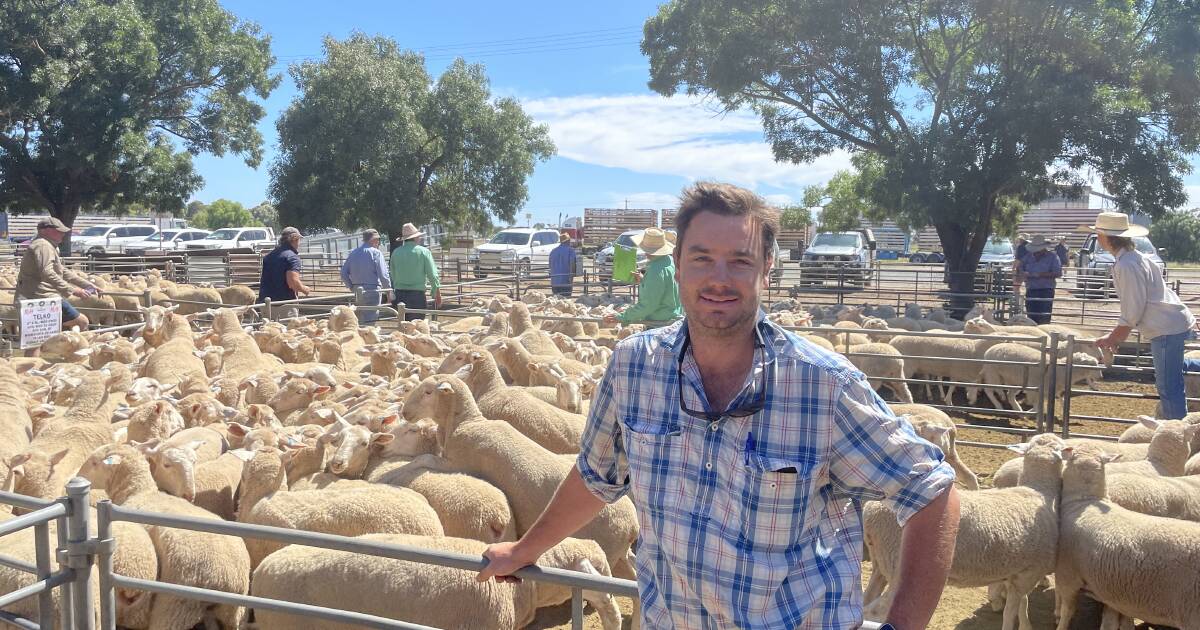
x,y
749,447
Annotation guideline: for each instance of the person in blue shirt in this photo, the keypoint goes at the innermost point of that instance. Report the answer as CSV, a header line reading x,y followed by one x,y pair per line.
x,y
366,268
1064,254
562,266
1040,269
280,279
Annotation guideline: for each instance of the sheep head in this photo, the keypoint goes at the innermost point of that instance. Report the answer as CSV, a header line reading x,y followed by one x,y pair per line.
x,y
352,445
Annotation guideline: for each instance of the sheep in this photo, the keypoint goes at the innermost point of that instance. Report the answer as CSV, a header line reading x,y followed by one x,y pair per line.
x,y
554,429
529,336
68,346
419,593
521,364
120,350
296,394
348,512
1168,452
932,358
202,409
100,309
1138,565
1169,497
934,425
183,296
156,420
1004,535
571,393
237,295
1027,375
145,389
385,359
880,366
242,357
258,388
172,360
527,473
1140,433
173,461
1009,473
352,447
186,557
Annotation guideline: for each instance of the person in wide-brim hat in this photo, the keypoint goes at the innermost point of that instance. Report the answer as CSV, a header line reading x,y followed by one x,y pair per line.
x,y
1115,224
1037,243
409,231
655,242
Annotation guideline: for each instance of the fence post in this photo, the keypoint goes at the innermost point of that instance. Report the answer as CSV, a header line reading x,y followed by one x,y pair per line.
x,y
66,614
146,299
400,308
78,557
1053,384
108,594
1040,416
1067,387
41,543
517,276
267,309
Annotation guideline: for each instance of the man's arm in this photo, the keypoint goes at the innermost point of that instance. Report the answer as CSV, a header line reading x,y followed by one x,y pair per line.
x,y
572,507
295,284
381,264
650,293
926,552
435,282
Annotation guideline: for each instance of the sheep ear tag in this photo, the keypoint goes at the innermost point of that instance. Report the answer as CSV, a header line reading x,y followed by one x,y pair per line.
x,y
112,460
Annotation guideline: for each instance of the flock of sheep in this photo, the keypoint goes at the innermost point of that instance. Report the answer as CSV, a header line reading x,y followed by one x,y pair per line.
x,y
455,436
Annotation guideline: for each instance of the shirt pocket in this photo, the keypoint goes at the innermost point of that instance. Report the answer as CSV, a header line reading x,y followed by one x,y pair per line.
x,y
774,496
654,452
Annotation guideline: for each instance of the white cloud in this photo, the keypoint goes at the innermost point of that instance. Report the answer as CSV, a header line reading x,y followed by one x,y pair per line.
x,y
1193,193
779,200
643,200
682,136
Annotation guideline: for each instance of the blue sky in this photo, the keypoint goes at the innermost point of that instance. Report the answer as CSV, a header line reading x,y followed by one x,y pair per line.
x,y
576,67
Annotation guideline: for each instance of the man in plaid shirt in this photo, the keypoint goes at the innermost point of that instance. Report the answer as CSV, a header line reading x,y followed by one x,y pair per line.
x,y
748,453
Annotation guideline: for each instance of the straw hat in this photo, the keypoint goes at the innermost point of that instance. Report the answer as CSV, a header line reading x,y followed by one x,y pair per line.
x,y
1037,243
655,242
1115,224
410,231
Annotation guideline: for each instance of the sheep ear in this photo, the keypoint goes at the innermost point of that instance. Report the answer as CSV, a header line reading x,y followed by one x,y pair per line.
x,y
113,460
363,351
229,412
445,388
238,429
1149,422
324,414
58,457
463,372
200,354
321,389
381,439
194,445
1108,458
242,454
83,352
388,420
583,565
476,356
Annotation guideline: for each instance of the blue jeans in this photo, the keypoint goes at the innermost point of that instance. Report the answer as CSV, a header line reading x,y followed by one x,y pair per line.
x,y
1169,366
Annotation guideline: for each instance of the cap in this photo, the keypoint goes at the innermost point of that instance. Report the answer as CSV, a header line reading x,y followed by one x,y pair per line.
x,y
51,222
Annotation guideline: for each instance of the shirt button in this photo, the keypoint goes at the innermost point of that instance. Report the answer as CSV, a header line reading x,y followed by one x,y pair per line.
x,y
714,426
708,466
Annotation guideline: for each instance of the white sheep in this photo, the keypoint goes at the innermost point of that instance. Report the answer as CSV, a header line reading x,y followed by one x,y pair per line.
x,y
554,429
1139,433
1169,497
1021,370
427,594
1009,473
880,360
1140,566
935,426
1005,535
265,500
1168,452
172,360
527,473
186,557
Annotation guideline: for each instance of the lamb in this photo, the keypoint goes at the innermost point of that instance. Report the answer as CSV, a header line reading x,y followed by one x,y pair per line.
x,y
554,429
296,394
1168,452
1138,565
173,461
120,350
156,420
530,337
145,389
242,357
1005,535
352,445
237,295
183,296
934,425
879,366
259,388
528,474
386,359
348,512
185,557
68,346
100,309
172,361
1168,497
1026,375
521,364
419,593
1009,473
932,358
1140,433
571,393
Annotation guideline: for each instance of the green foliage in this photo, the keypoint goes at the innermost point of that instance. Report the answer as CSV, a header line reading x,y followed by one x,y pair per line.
x,y
193,208
1179,233
373,140
795,218
95,96
971,110
842,205
265,214
223,213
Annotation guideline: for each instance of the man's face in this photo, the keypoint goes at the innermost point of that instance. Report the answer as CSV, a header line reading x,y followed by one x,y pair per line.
x,y
374,242
721,271
295,241
52,235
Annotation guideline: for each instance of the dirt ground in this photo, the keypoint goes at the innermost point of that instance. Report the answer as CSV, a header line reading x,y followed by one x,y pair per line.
x,y
967,608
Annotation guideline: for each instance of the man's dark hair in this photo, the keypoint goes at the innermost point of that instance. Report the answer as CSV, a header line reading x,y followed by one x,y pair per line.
x,y
731,201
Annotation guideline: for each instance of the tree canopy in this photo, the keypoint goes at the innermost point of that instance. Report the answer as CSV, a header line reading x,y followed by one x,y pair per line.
x,y
841,201
973,109
373,140
223,213
1179,233
97,99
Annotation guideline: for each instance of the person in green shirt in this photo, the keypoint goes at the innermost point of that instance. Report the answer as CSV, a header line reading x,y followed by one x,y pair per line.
x,y
658,293
411,266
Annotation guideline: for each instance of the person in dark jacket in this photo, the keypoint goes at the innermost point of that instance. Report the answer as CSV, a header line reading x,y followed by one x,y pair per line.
x,y
562,266
280,279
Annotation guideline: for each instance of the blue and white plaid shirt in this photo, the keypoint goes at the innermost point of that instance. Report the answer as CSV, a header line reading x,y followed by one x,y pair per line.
x,y
731,537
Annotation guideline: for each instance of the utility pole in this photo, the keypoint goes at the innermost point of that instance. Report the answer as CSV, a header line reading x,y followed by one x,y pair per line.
x,y
626,203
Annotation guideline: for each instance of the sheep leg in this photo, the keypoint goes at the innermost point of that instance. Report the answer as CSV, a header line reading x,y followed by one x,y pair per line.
x,y
997,594
1012,400
875,587
1016,606
948,398
991,394
902,392
967,476
1066,589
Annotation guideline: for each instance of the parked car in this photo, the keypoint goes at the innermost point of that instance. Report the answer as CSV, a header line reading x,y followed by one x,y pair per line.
x,y
838,255
109,239
1093,265
235,238
602,259
513,249
166,240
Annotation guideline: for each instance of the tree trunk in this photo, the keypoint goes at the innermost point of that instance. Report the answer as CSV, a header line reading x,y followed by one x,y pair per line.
x,y
963,250
67,213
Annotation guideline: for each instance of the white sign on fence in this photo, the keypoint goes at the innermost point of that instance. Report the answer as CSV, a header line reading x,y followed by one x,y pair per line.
x,y
41,319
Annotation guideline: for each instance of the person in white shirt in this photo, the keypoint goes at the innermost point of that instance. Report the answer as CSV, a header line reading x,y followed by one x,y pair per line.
x,y
1150,306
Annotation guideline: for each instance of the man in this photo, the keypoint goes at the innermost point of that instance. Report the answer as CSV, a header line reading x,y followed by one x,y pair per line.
x,y
563,266
658,292
747,453
365,268
1064,255
1040,268
43,275
412,267
281,268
